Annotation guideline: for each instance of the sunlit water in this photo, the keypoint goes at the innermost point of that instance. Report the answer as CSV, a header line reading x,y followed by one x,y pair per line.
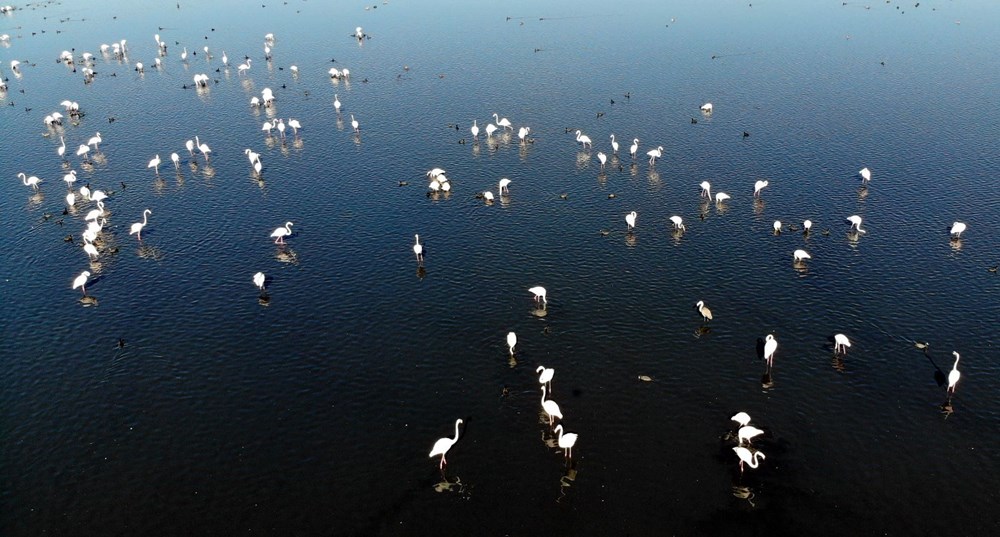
x,y
314,414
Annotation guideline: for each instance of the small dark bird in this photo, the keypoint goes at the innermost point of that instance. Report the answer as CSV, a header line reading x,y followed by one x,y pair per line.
x,y
694,121
746,134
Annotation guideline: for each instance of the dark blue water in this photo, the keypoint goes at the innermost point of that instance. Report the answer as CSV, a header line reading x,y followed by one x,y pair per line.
x,y
313,412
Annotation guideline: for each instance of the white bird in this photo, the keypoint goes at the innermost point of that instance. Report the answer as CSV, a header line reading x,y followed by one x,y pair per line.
x,y
566,441
957,228
721,197
281,127
634,149
539,293
95,141
354,124
522,133
85,192
545,375
139,68
61,151
777,227
295,126
442,446
282,232
225,59
770,345
490,129
255,101
504,182
511,341
630,219
70,178
435,172
855,221
205,150
840,343
602,158
359,33
707,108
189,145
90,249
336,103
505,123
418,249
97,196
551,408
799,255
155,163
742,418
474,129
614,145
258,280
70,199
29,181
806,226
137,227
243,67
954,375
184,54
866,175
703,310
583,139
747,432
678,223
82,151
81,281
176,159
706,189
749,457
488,196
758,186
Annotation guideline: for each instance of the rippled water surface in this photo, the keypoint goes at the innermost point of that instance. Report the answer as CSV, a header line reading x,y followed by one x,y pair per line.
x,y
181,403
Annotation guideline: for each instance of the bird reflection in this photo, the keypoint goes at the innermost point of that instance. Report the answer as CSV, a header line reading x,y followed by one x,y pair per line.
x,y
766,380
539,312
421,272
455,487
150,252
630,239
653,177
758,206
88,301
287,255
956,244
946,408
838,364
744,493
567,480
702,331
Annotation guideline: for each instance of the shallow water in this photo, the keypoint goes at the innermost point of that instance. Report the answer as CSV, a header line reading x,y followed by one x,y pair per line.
x,y
315,413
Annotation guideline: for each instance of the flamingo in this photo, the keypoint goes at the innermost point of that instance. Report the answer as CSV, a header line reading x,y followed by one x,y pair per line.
x,y
70,199
602,158
806,226
94,214
799,255
706,189
155,164
749,457
583,139
707,108
539,293
95,141
614,145
545,375
655,154
184,54
511,341
490,129
474,129
258,280
522,133
630,219
957,228
505,123
742,418
189,145
551,408
295,126
281,232
418,249
770,345
81,281
70,178
678,223
747,432
566,441
90,249
706,313
61,151
721,197
281,127
855,221
176,159
777,227
205,150
225,59
840,343
634,149
137,227
442,446
82,151
758,186
354,124
866,174
29,181
243,67
336,103
504,182
488,196
954,375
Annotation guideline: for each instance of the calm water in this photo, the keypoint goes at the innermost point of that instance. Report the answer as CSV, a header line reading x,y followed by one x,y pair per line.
x,y
314,414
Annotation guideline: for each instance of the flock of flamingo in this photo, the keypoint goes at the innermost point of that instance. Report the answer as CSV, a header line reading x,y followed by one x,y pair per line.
x,y
96,219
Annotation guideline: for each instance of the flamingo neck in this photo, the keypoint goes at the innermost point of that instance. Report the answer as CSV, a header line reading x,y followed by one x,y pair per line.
x,y
456,430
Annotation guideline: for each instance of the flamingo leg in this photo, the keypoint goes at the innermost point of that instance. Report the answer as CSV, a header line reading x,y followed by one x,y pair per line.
x,y
443,462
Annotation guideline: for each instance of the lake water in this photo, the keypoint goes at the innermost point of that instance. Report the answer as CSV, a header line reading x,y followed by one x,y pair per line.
x,y
312,413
